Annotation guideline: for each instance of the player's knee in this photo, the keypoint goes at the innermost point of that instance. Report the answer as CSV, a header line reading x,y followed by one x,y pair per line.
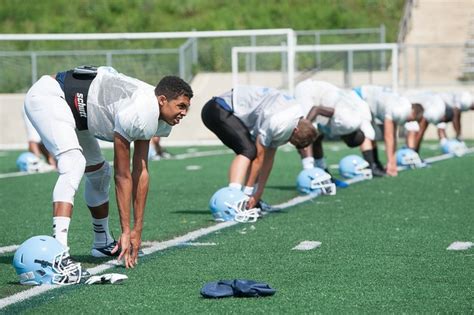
x,y
71,166
97,185
249,152
354,139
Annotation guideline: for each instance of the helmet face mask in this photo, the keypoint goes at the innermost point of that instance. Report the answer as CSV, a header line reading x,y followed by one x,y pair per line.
x,y
408,157
230,204
43,260
353,166
315,180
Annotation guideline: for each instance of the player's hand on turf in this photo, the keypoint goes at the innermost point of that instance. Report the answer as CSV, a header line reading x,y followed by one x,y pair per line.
x,y
135,241
392,169
252,202
124,244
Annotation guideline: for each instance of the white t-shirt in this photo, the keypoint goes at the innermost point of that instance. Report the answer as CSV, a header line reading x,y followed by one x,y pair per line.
x,y
268,113
459,100
433,105
385,104
118,103
350,112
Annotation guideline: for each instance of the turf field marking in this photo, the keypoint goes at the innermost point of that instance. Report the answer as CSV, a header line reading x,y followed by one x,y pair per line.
x,y
307,245
176,157
460,245
8,249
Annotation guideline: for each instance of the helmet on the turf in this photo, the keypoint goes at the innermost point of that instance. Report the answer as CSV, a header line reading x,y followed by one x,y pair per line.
x,y
44,260
408,157
315,180
229,204
28,162
454,146
353,166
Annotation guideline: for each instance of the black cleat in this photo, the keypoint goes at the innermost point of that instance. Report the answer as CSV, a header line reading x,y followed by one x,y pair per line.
x,y
105,251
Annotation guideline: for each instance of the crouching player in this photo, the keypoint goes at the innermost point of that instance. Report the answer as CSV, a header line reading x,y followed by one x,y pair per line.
x,y
388,110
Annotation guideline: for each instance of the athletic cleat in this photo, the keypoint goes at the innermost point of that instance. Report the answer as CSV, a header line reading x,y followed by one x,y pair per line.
x,y
105,251
377,172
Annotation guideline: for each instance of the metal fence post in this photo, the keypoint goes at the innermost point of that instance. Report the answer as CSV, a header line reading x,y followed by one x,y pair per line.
x,y
34,68
382,53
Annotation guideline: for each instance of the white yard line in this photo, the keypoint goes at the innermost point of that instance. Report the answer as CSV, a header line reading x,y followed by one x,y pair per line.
x,y
8,249
176,157
158,246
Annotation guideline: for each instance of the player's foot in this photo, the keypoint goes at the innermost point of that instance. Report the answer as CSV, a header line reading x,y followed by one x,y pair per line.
x,y
105,251
377,172
263,206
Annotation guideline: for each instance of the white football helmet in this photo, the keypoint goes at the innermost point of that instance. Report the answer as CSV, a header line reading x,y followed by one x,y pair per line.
x,y
315,180
453,146
28,162
409,157
229,204
353,166
43,260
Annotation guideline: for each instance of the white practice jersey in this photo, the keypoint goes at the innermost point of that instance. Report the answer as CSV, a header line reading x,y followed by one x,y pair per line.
x,y
385,104
118,103
268,113
459,100
350,112
433,105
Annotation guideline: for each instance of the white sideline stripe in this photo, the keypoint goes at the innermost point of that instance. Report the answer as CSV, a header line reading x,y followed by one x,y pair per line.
x,y
176,157
155,246
8,249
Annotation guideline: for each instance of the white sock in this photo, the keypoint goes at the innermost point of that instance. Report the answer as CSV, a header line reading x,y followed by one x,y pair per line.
x,y
235,185
61,228
248,190
102,235
321,163
308,163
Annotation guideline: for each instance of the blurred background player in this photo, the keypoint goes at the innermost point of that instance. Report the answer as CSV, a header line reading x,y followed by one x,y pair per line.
x,y
253,121
157,152
388,110
434,112
456,103
333,112
36,147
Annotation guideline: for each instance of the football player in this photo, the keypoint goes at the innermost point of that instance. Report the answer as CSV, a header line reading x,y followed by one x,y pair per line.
x,y
434,112
388,110
334,112
71,110
253,121
456,103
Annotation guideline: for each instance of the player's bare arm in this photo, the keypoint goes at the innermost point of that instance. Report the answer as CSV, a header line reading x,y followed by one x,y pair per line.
x,y
261,172
140,179
123,191
319,110
390,129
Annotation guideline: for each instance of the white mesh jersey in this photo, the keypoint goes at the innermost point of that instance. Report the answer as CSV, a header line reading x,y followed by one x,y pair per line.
x,y
118,103
268,113
350,112
385,104
433,105
459,100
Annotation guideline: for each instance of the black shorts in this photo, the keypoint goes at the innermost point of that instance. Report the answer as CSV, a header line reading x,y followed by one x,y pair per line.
x,y
229,129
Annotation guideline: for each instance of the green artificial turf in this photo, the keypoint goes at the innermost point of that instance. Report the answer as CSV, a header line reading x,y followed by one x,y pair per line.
x,y
383,244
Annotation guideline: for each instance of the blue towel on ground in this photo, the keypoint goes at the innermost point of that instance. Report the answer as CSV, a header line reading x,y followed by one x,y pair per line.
x,y
237,288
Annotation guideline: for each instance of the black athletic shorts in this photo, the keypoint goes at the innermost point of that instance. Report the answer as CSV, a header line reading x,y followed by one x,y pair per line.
x,y
229,129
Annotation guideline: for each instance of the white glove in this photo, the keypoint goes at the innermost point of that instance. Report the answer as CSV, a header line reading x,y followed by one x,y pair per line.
x,y
106,278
